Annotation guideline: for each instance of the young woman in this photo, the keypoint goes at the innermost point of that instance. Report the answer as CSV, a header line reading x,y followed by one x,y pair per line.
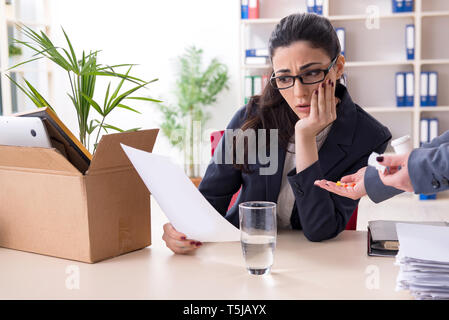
x,y
322,134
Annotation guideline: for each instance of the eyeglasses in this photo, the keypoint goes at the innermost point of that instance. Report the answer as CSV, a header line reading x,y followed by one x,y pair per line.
x,y
308,77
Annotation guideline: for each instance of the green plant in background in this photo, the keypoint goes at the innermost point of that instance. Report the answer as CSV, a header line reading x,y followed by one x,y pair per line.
x,y
14,50
82,74
196,89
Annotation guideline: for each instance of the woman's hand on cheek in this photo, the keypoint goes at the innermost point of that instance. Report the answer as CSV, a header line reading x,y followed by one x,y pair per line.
x,y
322,111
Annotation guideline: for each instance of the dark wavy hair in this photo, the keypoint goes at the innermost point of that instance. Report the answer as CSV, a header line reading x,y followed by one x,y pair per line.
x,y
269,110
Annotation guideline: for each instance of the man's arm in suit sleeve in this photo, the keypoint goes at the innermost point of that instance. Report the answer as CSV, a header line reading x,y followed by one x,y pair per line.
x,y
374,187
378,192
428,169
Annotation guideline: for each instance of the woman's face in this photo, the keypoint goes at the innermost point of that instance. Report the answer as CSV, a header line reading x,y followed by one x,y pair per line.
x,y
299,58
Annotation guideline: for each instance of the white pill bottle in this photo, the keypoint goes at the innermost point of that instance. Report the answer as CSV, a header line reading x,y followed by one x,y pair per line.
x,y
402,145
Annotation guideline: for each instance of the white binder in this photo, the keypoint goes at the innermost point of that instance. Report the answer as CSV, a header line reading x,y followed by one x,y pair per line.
x,y
248,88
410,41
400,89
310,6
433,88
341,37
424,131
409,88
424,83
257,85
433,128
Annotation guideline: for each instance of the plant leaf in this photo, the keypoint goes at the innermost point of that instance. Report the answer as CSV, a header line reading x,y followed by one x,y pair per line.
x,y
144,99
93,104
128,108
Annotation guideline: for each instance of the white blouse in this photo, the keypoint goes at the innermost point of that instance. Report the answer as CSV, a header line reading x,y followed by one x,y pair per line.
x,y
286,198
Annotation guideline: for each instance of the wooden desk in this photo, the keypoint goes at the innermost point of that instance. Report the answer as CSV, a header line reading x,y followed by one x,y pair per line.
x,y
334,269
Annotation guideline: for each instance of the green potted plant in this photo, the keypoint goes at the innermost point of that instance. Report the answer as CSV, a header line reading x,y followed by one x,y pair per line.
x,y
196,89
82,74
14,50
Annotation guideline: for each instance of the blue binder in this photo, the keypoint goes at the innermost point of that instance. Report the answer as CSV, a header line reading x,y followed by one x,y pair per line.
x,y
260,52
433,89
310,6
244,7
424,85
408,5
400,89
397,6
409,89
432,127
319,7
410,41
427,196
341,34
423,131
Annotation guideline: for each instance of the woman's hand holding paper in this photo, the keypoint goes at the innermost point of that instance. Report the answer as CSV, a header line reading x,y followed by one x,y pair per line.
x,y
177,241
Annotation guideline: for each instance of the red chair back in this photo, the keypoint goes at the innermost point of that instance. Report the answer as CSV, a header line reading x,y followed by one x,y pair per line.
x,y
215,138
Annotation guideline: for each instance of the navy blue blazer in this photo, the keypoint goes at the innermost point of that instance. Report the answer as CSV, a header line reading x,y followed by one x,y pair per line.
x,y
320,214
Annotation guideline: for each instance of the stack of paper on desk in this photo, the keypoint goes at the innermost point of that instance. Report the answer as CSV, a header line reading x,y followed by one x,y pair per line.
x,y
423,258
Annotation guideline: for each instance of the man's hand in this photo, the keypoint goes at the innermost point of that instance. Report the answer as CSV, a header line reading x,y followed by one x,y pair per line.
x,y
397,174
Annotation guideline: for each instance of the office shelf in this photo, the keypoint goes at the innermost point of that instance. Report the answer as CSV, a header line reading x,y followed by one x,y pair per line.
x,y
10,15
371,65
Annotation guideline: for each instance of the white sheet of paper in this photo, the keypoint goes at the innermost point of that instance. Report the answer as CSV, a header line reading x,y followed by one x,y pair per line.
x,y
185,207
423,242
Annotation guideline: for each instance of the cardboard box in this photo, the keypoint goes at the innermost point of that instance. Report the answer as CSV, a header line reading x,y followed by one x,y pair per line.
x,y
48,206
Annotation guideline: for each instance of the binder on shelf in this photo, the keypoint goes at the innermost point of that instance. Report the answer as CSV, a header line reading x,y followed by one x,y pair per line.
x,y
400,90
265,79
341,34
310,6
253,9
244,8
409,88
408,6
428,196
256,60
433,89
433,128
397,5
258,52
248,88
319,7
428,132
424,84
257,85
423,131
410,41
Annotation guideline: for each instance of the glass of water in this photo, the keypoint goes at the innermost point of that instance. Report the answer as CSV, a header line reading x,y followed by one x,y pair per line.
x,y
258,235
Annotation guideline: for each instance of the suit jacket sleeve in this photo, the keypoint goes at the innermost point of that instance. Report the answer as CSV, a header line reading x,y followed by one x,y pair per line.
x,y
219,194
428,168
375,189
323,215
437,141
421,167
